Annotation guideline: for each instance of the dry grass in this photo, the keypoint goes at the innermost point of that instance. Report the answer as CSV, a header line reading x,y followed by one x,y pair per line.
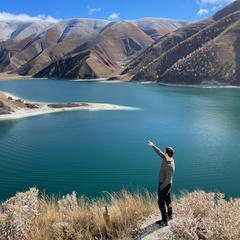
x,y
12,76
73,217
198,215
201,215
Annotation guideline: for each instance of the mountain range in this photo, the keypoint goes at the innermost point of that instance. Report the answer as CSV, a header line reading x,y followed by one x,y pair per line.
x,y
202,53
76,48
155,50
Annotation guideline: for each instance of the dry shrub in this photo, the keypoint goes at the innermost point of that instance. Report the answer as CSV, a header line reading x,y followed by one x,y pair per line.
x,y
198,215
18,215
201,215
127,211
76,217
86,217
65,218
44,224
80,218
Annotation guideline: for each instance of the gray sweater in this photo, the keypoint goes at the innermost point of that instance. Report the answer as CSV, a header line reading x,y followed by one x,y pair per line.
x,y
167,169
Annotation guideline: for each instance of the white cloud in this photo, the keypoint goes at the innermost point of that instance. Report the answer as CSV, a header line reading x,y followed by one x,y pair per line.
x,y
214,2
211,6
114,16
26,18
202,12
93,10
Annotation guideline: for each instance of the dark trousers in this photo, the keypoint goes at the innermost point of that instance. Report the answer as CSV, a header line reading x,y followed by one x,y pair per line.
x,y
164,200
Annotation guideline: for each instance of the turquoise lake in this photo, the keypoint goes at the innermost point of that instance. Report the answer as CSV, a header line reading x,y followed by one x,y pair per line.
x,y
91,152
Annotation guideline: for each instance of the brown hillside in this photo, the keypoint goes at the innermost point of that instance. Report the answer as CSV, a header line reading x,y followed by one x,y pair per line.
x,y
40,49
103,55
199,53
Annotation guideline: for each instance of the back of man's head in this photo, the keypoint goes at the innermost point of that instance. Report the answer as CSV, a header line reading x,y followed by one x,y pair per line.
x,y
169,151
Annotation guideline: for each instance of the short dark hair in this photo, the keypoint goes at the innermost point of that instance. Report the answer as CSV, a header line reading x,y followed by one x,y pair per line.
x,y
169,151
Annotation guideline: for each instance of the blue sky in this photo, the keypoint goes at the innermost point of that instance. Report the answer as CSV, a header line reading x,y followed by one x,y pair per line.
x,y
54,10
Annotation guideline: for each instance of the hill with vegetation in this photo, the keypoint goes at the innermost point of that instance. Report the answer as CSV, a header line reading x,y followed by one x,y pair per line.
x,y
205,52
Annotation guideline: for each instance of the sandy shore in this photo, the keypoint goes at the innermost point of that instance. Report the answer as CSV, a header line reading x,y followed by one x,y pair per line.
x,y
10,76
18,108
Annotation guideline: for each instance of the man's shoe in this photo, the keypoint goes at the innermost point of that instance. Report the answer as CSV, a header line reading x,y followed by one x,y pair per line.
x,y
162,223
170,217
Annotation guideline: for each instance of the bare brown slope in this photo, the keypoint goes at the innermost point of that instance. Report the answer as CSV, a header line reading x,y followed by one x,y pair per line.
x,y
200,53
151,55
110,45
21,53
103,55
215,62
37,51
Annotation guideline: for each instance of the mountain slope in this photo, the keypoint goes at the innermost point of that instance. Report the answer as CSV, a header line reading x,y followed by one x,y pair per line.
x,y
102,47
102,55
205,52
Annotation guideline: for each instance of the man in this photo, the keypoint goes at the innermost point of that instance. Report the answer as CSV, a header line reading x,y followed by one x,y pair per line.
x,y
165,182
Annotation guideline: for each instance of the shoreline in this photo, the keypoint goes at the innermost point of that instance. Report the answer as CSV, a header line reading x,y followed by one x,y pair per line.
x,y
188,85
198,85
5,76
19,108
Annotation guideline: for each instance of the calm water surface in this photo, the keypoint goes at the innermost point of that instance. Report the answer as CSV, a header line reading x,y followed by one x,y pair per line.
x,y
94,151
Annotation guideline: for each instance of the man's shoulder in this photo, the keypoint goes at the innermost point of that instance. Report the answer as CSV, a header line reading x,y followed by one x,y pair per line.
x,y
171,163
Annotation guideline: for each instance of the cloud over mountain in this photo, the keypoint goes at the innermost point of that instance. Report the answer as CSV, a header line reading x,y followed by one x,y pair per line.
x,y
209,6
25,18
